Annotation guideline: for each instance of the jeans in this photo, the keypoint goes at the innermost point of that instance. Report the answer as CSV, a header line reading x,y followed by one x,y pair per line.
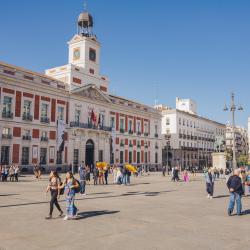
x,y
124,179
235,197
82,186
210,188
54,194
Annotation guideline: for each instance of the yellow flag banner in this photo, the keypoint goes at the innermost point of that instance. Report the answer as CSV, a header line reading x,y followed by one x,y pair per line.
x,y
131,168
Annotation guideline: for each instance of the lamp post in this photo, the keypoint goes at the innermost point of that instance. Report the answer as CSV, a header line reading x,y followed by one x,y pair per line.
x,y
232,109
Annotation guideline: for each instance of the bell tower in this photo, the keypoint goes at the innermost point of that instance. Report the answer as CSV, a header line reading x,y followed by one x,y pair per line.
x,y
84,48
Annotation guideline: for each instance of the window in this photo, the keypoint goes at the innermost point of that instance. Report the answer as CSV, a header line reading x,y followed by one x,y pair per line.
x,y
179,121
167,121
77,116
101,120
138,127
130,157
130,125
6,131
168,131
183,123
60,113
122,124
146,157
138,157
100,156
43,156
156,157
187,123
44,111
59,157
7,104
121,157
27,107
156,129
76,157
25,155
146,128
112,122
26,132
5,154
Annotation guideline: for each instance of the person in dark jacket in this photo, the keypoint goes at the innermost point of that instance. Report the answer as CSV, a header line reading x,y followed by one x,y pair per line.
x,y
236,191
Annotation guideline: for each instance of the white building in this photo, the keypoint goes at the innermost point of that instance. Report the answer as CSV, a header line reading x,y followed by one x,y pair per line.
x,y
241,140
190,137
98,126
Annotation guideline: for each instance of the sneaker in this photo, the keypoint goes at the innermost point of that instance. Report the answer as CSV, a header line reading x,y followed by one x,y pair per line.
x,y
66,218
211,197
48,217
229,212
208,196
83,194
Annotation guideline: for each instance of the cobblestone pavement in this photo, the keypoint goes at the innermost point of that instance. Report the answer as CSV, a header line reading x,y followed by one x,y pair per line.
x,y
153,213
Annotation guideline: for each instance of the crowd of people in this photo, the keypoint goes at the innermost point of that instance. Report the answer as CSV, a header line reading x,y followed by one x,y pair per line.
x,y
11,172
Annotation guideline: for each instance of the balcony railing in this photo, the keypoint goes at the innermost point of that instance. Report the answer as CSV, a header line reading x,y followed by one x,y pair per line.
x,y
7,114
130,145
122,130
44,138
26,137
44,120
156,147
156,135
4,136
122,144
89,126
145,134
27,117
138,133
130,132
138,145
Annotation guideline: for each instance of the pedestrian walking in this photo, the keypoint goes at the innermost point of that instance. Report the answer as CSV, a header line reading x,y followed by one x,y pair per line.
x,y
163,170
248,182
82,178
71,187
210,178
243,178
54,188
95,175
106,174
176,174
234,185
11,173
17,170
186,176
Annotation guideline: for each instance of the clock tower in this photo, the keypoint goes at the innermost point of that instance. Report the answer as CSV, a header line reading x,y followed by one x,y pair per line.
x,y
84,48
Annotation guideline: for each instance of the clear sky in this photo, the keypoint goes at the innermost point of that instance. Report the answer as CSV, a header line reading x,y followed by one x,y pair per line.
x,y
197,49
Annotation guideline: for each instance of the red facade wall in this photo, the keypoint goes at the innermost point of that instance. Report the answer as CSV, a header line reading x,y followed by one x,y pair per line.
x,y
15,153
35,133
17,132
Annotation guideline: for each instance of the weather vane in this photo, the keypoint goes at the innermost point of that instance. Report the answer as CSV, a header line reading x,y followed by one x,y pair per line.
x,y
85,6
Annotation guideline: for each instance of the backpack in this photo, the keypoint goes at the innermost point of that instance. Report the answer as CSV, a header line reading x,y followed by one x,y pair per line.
x,y
77,190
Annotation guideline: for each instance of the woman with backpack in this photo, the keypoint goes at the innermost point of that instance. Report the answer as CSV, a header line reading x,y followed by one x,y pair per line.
x,y
71,187
53,187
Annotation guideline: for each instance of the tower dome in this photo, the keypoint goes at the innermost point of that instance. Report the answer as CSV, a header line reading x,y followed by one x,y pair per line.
x,y
85,24
85,20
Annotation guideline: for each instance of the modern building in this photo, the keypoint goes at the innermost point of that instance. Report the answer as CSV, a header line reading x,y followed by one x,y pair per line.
x,y
189,139
68,114
241,140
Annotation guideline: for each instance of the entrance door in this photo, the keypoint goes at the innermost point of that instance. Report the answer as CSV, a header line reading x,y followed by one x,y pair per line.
x,y
89,154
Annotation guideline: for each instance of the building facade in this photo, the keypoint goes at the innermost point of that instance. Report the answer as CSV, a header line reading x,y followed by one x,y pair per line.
x,y
67,115
241,140
189,139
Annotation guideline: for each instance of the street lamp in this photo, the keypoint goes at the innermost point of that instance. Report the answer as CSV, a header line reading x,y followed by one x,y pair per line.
x,y
233,109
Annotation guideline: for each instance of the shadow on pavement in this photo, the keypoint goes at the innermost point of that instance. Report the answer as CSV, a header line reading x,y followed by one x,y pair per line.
x,y
246,212
3,195
89,214
221,196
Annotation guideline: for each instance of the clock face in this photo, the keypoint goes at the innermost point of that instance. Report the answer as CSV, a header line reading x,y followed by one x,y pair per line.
x,y
92,55
76,54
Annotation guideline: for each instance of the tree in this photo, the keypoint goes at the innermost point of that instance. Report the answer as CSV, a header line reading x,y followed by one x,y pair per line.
x,y
243,159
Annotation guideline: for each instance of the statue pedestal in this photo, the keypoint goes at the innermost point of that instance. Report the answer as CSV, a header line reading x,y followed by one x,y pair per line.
x,y
219,160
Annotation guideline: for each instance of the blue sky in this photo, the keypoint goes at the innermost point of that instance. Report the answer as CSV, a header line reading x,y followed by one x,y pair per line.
x,y
186,48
